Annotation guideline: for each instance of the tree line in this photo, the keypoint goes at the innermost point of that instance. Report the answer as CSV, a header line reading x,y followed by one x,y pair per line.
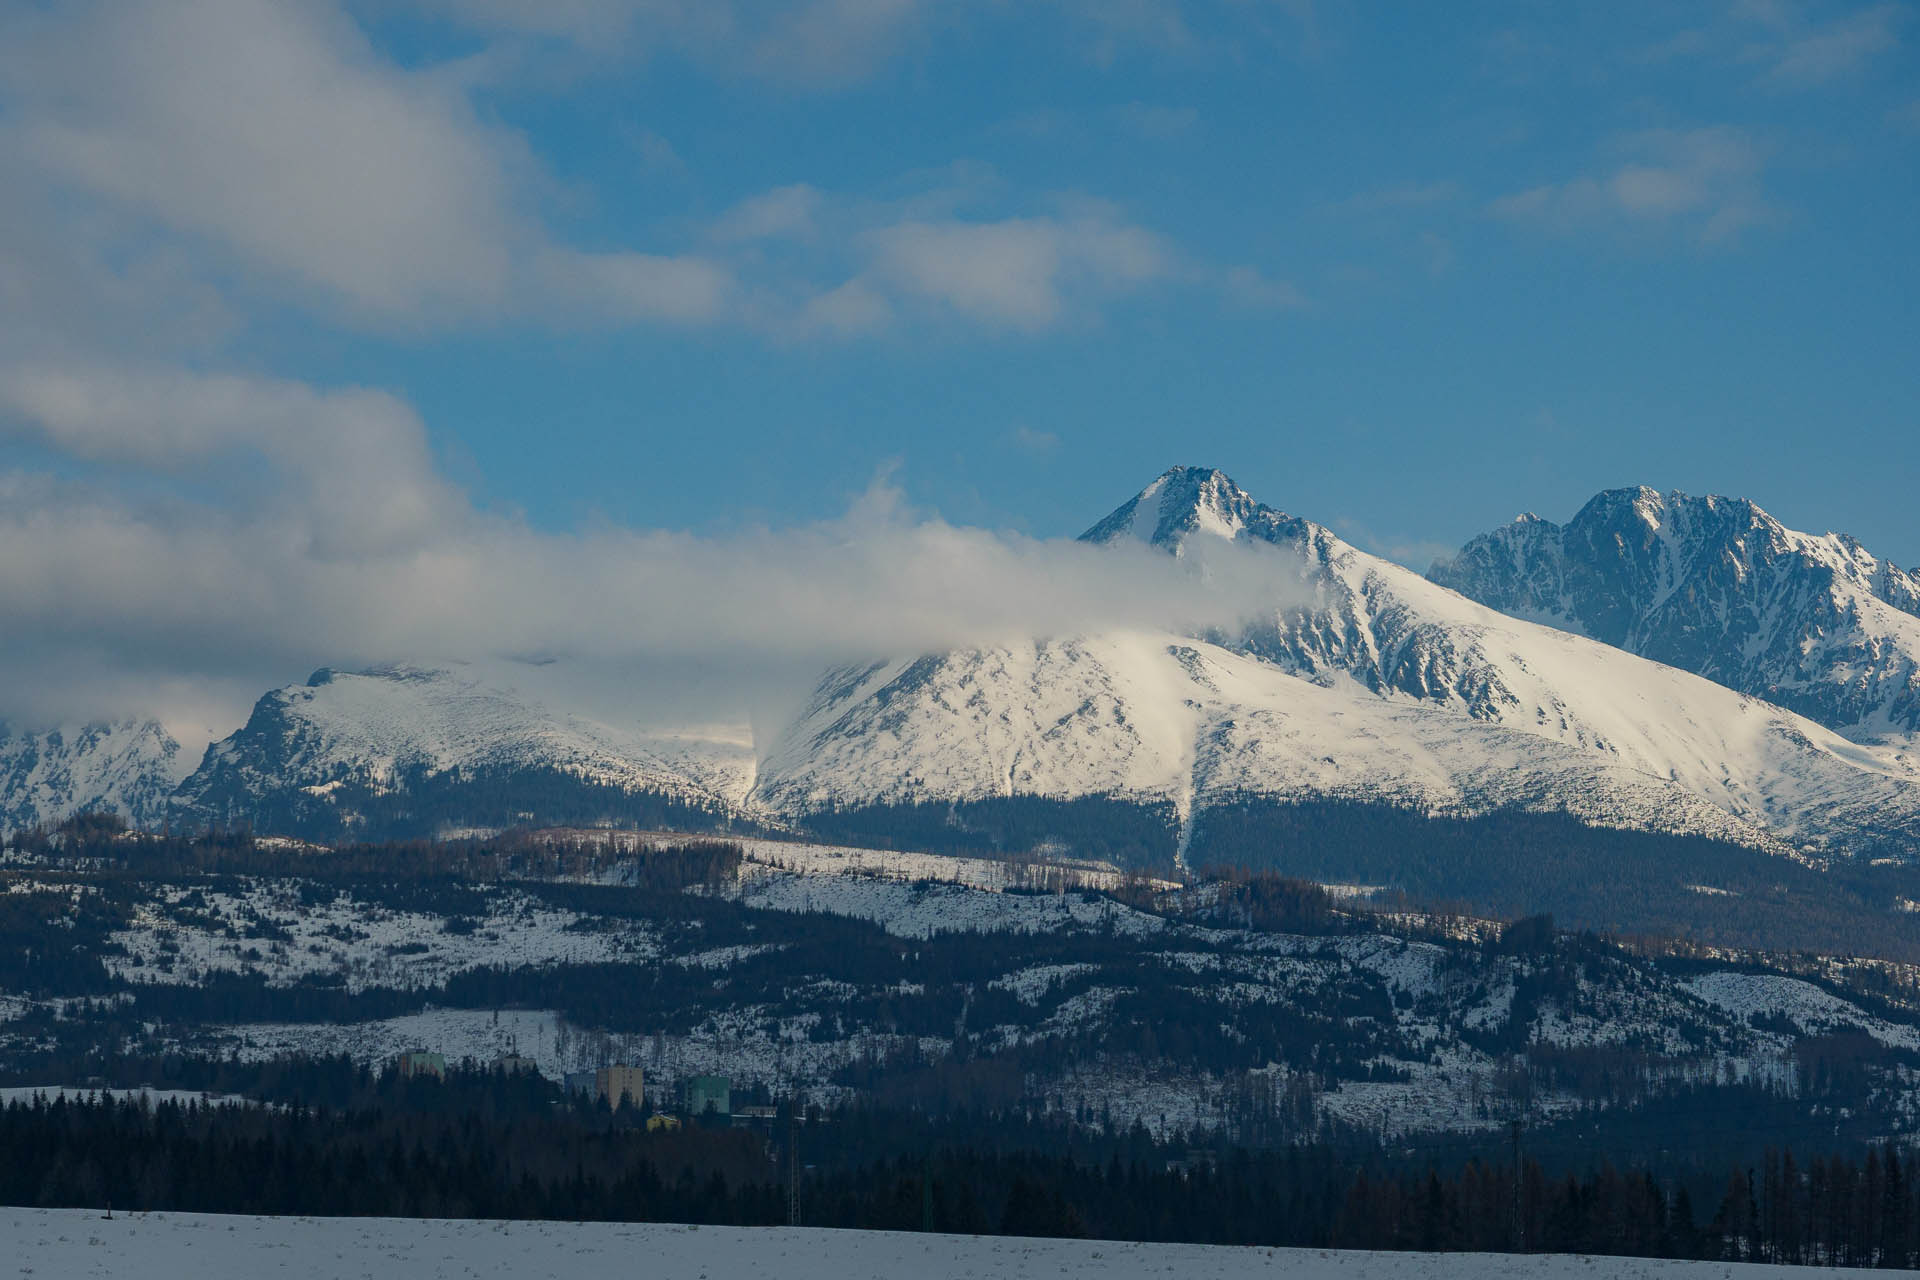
x,y
486,1144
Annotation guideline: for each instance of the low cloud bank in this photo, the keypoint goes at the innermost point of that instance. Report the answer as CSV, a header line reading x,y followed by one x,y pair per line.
x,y
214,536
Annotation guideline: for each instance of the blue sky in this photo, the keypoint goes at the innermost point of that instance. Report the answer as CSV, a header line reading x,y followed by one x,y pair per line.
x,y
1429,360
624,265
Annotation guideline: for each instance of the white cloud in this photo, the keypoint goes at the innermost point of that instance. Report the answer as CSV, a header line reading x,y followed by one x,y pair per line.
x,y
1795,48
806,43
1017,271
275,131
1409,195
68,284
781,212
1109,29
831,44
351,470
276,135
1254,288
243,153
626,286
1705,179
352,549
1040,444
853,309
1158,123
1820,55
656,153
599,23
948,248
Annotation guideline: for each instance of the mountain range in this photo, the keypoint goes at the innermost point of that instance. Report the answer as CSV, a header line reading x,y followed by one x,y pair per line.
x,y
1662,664
1364,682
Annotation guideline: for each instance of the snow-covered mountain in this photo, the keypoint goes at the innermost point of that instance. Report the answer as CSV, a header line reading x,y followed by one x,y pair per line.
x,y
129,767
1716,586
1363,681
449,747
1351,678
1163,720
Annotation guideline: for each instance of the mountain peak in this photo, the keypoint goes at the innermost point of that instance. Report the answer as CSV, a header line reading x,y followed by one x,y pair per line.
x,y
1717,586
1179,502
1657,510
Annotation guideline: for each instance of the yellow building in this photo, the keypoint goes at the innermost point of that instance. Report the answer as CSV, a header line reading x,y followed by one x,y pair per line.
x,y
616,1084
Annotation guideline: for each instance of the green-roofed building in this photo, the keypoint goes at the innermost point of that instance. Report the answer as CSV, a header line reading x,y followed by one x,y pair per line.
x,y
709,1094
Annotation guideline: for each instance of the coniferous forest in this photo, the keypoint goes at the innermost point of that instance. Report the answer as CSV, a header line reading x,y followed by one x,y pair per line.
x,y
483,1143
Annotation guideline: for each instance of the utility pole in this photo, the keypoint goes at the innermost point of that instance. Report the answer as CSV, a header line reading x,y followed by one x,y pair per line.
x,y
793,1170
1519,1213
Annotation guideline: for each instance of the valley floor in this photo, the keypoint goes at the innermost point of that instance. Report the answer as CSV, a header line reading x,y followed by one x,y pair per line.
x,y
179,1246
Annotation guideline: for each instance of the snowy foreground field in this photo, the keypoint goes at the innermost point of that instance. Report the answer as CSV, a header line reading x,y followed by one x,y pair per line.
x,y
186,1246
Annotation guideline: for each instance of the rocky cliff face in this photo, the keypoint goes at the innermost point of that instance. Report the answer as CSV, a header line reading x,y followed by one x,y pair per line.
x,y
1816,624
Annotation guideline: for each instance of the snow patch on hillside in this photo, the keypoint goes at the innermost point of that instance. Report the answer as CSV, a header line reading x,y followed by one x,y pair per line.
x,y
183,935
1813,1009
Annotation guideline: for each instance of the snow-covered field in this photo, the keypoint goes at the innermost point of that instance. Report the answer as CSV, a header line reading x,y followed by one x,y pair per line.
x,y
186,1246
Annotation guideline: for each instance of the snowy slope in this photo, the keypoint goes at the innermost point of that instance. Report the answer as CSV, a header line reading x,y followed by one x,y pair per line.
x,y
399,726
186,1246
128,767
1717,586
1160,718
1367,682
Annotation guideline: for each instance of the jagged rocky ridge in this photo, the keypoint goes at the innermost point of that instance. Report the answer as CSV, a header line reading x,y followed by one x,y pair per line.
x,y
1716,586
